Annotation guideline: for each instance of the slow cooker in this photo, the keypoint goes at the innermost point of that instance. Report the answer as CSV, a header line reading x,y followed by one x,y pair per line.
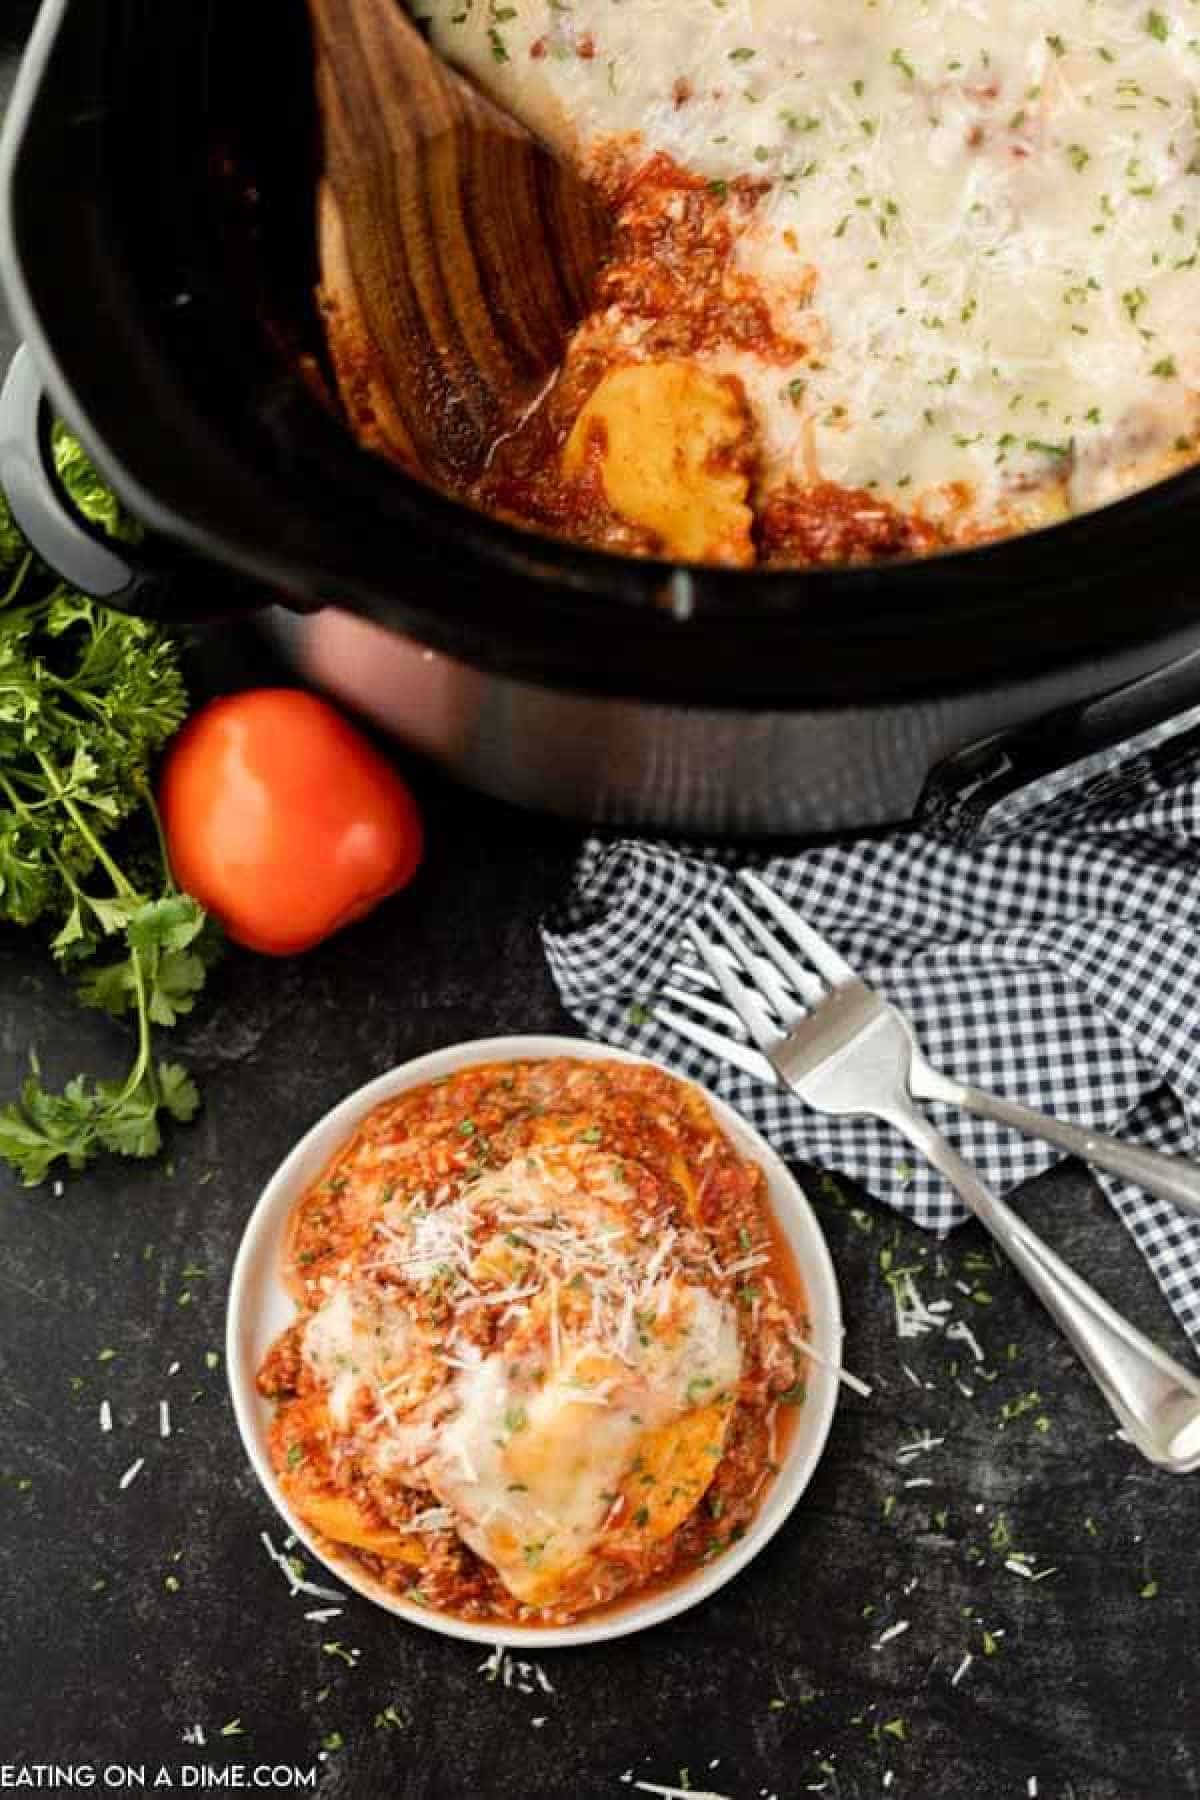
x,y
157,237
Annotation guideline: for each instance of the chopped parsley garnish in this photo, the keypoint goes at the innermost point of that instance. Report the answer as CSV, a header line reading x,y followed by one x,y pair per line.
x,y
90,700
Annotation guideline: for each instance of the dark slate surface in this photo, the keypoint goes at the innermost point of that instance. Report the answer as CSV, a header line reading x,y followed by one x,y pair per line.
x,y
1085,1681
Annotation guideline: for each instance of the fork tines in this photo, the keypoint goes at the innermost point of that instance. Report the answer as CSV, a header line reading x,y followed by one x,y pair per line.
x,y
763,986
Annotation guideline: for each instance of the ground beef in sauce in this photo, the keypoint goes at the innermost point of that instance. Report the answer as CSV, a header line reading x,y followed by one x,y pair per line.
x,y
434,1139
824,524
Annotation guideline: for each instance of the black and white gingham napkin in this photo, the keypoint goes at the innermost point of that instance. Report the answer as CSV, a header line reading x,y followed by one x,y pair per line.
x,y
1054,958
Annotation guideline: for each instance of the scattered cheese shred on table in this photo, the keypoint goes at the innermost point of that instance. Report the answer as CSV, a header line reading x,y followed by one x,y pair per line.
x,y
132,1472
105,1416
909,1452
913,1317
521,1675
961,1332
295,1582
853,1382
678,1793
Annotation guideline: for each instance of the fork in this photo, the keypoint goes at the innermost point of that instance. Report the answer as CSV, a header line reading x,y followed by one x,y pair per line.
x,y
1171,1178
845,1050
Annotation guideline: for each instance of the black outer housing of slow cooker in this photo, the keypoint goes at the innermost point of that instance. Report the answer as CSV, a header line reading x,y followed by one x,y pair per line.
x,y
156,210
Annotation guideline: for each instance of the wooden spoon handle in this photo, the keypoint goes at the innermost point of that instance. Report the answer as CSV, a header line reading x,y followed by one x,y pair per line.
x,y
457,254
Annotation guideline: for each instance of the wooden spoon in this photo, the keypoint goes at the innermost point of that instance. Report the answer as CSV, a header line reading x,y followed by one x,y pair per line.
x,y
456,252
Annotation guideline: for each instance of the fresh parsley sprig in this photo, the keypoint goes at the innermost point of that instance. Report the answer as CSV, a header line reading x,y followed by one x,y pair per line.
x,y
88,699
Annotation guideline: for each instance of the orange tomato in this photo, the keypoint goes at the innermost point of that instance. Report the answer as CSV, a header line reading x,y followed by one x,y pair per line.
x,y
283,820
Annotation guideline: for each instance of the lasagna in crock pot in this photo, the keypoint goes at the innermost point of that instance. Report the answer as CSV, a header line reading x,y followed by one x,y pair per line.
x,y
889,275
548,1343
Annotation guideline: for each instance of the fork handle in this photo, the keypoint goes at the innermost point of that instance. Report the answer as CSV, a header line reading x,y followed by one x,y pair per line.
x,y
1154,1397
1171,1178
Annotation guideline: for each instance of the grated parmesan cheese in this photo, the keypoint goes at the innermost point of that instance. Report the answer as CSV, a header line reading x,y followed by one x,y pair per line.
x,y
296,1583
962,1333
909,1452
678,1793
986,237
853,1382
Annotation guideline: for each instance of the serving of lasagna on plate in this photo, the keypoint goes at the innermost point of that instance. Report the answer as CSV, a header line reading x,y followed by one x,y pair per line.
x,y
548,1345
888,276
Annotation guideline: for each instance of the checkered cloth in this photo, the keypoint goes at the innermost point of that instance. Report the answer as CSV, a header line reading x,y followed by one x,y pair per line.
x,y
1053,957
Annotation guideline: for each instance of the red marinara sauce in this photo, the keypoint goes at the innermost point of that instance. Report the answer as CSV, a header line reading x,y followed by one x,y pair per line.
x,y
528,1231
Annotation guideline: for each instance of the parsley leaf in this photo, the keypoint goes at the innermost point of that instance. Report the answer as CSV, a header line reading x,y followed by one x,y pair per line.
x,y
88,699
98,504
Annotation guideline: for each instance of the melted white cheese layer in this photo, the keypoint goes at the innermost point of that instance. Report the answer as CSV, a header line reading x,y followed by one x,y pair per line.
x,y
361,1341
531,1471
1000,200
604,1346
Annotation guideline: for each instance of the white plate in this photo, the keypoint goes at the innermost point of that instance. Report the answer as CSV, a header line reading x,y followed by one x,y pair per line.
x,y
260,1308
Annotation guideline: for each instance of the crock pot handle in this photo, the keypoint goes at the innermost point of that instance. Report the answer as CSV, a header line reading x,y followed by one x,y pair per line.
x,y
961,791
156,582
37,499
